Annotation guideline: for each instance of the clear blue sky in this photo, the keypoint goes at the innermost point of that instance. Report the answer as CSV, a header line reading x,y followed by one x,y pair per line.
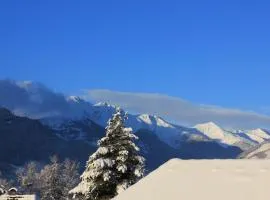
x,y
212,52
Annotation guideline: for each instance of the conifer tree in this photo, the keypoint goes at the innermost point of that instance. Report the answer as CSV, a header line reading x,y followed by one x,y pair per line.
x,y
115,165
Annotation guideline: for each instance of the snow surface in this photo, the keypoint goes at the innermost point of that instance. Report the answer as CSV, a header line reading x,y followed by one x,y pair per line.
x,y
204,180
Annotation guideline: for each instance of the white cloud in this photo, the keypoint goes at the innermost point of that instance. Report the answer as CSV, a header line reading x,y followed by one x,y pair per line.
x,y
179,110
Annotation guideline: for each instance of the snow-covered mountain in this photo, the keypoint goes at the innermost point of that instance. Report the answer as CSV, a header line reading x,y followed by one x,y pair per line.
x,y
67,115
171,134
165,131
258,135
261,151
77,139
234,138
71,127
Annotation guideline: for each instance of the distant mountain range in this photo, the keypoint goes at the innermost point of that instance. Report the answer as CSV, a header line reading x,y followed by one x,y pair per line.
x,y
36,123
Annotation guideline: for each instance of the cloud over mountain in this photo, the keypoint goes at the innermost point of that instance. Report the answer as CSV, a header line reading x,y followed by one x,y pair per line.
x,y
31,99
179,110
37,101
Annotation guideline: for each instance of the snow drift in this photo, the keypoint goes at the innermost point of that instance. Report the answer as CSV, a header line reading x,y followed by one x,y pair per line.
x,y
204,179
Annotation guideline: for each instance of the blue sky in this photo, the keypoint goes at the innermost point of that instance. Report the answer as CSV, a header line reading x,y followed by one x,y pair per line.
x,y
207,52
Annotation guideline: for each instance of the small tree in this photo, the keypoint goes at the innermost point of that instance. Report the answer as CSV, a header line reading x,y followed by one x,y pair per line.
x,y
114,166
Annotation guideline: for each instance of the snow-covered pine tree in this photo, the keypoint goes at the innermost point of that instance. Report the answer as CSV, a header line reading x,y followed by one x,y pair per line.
x,y
114,166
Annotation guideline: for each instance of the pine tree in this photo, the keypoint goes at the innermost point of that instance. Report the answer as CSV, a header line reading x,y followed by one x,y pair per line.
x,y
114,166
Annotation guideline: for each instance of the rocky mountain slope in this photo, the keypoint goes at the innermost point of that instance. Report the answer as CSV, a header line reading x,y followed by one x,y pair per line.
x,y
24,139
261,151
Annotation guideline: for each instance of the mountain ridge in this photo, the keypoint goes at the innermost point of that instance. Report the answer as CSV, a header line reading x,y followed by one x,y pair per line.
x,y
64,113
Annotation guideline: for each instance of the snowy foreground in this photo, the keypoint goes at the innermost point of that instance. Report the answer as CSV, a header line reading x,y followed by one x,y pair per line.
x,y
204,180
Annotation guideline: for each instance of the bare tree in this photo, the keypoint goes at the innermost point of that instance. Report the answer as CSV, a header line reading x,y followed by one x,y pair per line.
x,y
57,178
51,185
27,178
70,175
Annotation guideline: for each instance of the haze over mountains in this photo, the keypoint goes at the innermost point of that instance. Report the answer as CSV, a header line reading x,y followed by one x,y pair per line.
x,y
74,125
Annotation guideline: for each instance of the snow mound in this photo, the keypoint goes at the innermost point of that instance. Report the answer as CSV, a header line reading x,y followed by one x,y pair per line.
x,y
215,179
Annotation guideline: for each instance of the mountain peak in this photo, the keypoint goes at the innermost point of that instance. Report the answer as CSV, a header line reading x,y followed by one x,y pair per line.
x,y
259,135
259,131
104,104
210,129
208,124
145,118
75,99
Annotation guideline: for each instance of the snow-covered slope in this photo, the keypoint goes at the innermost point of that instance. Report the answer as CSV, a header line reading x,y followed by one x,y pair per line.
x,y
261,151
222,136
165,131
258,135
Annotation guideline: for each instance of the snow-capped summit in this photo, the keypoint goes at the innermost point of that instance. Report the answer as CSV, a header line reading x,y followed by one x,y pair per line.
x,y
145,118
169,133
258,135
152,121
211,129
101,113
172,135
104,104
224,137
74,99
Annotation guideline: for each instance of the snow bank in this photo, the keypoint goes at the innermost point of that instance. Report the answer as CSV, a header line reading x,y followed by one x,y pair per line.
x,y
204,180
